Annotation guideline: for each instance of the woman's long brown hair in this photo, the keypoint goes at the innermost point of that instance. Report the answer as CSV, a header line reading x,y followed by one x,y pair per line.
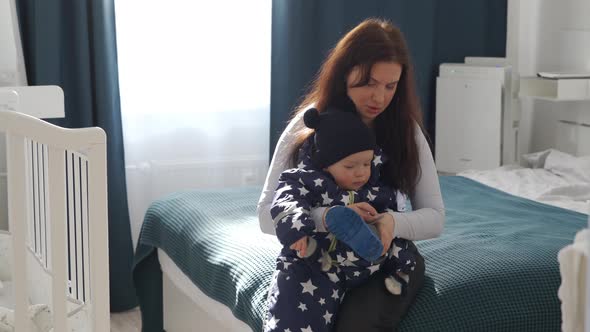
x,y
372,41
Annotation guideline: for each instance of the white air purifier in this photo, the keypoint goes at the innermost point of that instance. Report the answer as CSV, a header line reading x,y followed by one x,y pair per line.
x,y
475,125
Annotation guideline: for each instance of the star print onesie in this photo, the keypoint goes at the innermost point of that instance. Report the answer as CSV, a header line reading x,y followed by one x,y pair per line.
x,y
305,292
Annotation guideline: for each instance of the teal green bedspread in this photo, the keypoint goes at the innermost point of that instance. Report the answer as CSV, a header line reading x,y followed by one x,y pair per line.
x,y
494,268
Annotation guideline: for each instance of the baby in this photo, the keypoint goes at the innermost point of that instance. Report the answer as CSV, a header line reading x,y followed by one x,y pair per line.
x,y
339,165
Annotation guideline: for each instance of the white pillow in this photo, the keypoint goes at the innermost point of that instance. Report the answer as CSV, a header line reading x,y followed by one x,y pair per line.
x,y
566,165
535,159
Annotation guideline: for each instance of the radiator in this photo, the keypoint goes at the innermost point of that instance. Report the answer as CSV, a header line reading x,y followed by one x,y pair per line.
x,y
151,180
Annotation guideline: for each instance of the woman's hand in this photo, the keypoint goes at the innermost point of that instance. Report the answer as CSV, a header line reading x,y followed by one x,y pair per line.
x,y
300,246
385,225
365,210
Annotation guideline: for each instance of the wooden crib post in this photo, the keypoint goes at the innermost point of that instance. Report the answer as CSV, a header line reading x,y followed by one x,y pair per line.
x,y
98,228
17,216
37,194
57,213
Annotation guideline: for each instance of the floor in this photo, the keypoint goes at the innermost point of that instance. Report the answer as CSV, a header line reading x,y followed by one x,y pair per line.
x,y
128,321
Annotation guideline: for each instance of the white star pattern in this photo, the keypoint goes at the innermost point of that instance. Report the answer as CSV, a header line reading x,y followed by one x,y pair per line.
x,y
347,263
322,301
303,191
328,317
286,265
375,188
307,329
327,199
297,224
335,294
340,259
300,210
356,273
272,324
333,277
351,257
302,306
374,268
308,287
370,196
345,199
396,251
301,165
377,160
318,182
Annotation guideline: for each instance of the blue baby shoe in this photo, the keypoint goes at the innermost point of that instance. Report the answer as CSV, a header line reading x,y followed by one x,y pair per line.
x,y
348,227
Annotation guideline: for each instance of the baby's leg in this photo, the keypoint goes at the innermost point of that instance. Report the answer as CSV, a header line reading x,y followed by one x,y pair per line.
x,y
350,228
302,297
399,264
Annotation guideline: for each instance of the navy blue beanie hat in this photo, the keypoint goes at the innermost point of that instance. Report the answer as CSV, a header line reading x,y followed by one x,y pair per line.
x,y
338,134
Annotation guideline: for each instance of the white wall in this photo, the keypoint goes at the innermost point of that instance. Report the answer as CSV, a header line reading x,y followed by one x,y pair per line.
x,y
3,185
548,35
12,68
12,73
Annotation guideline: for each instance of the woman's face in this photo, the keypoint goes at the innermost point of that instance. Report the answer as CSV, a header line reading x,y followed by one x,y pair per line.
x,y
372,99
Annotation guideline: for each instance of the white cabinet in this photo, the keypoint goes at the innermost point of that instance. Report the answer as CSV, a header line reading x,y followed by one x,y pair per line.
x,y
573,137
555,89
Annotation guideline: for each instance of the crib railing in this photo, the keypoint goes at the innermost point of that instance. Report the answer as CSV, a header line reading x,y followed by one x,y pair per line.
x,y
57,206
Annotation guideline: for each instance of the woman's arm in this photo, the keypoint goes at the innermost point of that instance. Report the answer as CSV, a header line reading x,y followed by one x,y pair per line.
x,y
427,219
280,162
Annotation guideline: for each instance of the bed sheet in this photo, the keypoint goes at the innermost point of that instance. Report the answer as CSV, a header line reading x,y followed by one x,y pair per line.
x,y
550,176
495,266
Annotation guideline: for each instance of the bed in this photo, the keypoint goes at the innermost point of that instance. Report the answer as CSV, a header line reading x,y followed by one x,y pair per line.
x,y
203,264
54,254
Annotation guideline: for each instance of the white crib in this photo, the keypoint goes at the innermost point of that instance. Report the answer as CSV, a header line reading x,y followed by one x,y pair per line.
x,y
57,212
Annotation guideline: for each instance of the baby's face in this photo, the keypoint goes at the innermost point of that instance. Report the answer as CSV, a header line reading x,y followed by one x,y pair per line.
x,y
352,172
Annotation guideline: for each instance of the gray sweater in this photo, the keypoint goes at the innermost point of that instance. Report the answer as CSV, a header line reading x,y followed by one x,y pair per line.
x,y
426,221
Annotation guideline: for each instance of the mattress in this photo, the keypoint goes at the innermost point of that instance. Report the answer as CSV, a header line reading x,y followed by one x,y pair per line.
x,y
498,254
213,308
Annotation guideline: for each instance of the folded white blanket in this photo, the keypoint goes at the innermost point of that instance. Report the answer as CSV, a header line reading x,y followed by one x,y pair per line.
x,y
573,266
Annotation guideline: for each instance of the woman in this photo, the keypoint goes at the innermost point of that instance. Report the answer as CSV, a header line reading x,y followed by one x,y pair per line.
x,y
370,69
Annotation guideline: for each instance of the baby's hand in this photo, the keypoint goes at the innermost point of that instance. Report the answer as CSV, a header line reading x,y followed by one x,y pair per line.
x,y
364,209
300,246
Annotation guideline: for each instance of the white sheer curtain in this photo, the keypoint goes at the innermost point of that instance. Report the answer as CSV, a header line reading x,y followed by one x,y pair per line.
x,y
195,96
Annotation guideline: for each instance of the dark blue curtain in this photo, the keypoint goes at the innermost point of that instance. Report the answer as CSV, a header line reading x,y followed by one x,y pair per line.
x,y
72,44
303,32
